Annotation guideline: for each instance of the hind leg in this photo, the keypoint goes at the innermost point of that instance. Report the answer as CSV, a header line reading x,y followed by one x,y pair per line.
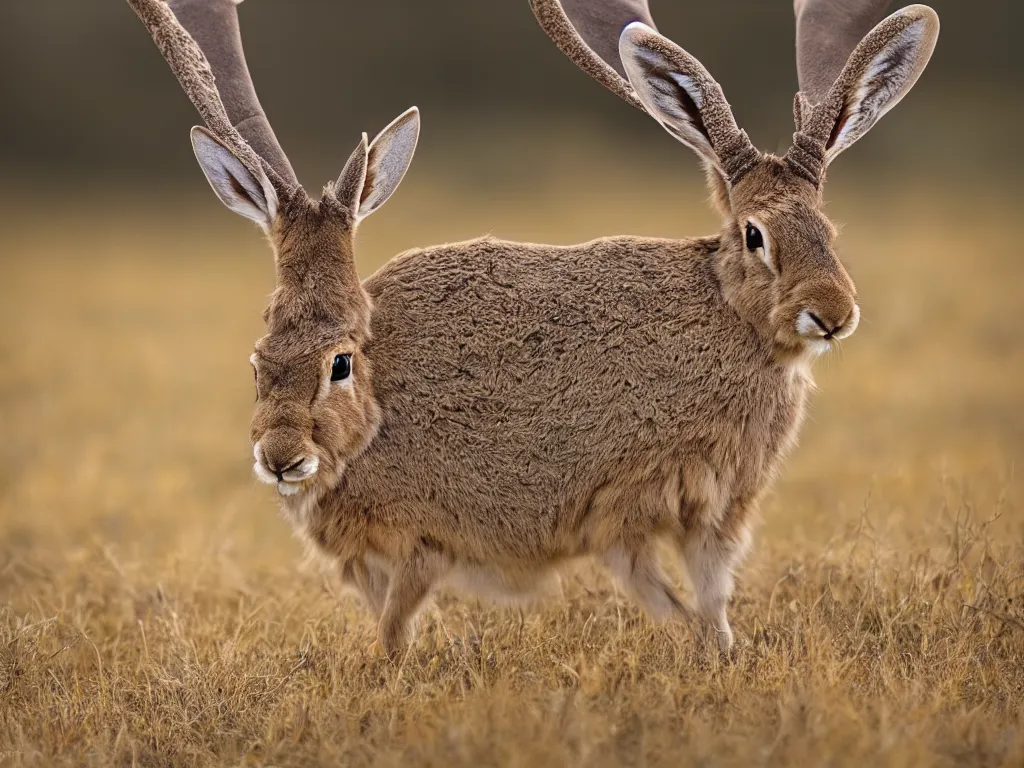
x,y
711,558
636,571
369,580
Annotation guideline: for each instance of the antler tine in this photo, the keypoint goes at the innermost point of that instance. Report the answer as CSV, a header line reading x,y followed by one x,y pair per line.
x,y
827,31
197,78
587,31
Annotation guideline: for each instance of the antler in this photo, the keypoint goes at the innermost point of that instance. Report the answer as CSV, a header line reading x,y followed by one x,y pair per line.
x,y
219,86
587,31
827,31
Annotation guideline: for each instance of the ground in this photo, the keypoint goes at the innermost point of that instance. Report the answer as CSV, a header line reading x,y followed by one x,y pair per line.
x,y
155,610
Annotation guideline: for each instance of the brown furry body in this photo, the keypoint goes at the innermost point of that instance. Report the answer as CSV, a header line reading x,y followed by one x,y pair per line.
x,y
587,417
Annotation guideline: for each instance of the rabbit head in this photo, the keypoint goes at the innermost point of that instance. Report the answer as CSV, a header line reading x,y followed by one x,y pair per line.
x,y
315,408
777,261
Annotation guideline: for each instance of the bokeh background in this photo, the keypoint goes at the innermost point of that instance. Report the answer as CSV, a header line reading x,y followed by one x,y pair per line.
x,y
86,97
129,301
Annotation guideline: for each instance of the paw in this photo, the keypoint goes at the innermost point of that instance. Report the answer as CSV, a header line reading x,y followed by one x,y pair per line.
x,y
724,638
718,635
380,649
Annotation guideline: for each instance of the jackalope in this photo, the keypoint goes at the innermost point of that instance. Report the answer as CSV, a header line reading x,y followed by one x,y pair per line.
x,y
481,413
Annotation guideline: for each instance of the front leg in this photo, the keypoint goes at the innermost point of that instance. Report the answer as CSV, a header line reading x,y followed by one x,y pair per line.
x,y
711,555
369,580
411,582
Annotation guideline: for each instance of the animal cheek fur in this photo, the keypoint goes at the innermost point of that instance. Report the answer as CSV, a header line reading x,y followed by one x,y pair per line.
x,y
344,424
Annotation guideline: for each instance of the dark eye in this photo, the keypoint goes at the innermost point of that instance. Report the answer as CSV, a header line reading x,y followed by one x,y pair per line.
x,y
342,368
754,238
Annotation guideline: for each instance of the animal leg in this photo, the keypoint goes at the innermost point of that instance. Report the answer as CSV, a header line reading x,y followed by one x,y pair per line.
x,y
370,581
410,583
637,572
711,558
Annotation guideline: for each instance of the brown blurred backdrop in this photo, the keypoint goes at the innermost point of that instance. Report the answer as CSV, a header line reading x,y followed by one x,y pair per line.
x,y
86,96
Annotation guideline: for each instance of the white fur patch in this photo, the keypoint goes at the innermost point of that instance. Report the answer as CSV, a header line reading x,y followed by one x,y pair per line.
x,y
264,475
806,327
293,479
818,347
689,85
304,471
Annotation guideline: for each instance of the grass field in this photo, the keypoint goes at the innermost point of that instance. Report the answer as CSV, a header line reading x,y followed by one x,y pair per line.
x,y
154,610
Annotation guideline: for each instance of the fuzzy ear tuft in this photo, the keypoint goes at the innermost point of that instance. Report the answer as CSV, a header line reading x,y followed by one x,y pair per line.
x,y
244,190
880,72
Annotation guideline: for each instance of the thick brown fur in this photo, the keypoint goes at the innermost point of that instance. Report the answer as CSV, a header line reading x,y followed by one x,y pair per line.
x,y
543,403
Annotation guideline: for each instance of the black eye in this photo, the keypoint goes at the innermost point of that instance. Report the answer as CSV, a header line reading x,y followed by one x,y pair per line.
x,y
342,368
754,238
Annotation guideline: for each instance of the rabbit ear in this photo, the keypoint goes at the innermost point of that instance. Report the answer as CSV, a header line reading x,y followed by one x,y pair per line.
x,y
878,74
244,191
388,158
680,94
349,186
375,169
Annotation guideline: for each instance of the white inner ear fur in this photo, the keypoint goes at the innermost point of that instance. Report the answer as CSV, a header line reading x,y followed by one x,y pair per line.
x,y
237,187
887,79
659,92
390,156
688,84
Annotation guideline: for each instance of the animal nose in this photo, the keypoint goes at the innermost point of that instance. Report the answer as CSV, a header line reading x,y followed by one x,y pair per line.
x,y
294,466
827,332
297,470
814,325
275,471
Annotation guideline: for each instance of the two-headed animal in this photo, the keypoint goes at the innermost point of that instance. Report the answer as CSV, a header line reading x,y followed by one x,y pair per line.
x,y
483,412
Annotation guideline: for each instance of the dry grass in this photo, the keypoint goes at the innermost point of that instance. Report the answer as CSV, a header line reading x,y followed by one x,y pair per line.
x,y
154,610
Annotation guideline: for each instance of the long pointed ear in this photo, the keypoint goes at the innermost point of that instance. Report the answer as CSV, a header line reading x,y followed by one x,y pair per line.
x,y
245,191
374,171
879,73
681,95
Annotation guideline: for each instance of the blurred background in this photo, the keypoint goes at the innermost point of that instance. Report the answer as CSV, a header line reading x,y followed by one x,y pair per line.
x,y
130,298
87,97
